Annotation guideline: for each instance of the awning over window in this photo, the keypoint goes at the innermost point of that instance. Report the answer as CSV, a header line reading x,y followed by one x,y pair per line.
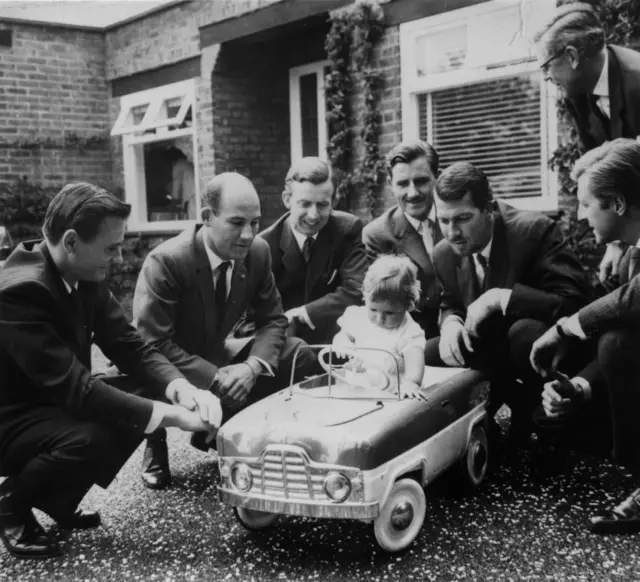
x,y
274,15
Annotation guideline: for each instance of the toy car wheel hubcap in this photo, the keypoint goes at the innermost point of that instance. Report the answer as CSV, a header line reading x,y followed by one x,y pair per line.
x,y
478,458
402,516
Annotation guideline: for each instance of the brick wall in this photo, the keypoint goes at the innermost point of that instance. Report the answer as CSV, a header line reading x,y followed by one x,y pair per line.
x,y
52,86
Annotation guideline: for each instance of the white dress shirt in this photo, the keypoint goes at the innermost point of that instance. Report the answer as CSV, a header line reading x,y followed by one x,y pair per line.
x,y
425,229
601,90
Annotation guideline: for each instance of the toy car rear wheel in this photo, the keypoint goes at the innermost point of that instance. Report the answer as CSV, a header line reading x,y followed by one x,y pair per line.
x,y
254,520
475,461
401,516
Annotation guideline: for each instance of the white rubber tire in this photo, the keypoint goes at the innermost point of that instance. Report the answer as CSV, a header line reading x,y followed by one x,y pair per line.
x,y
255,520
401,516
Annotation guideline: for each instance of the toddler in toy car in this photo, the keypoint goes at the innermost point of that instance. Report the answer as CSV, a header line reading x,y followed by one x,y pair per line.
x,y
390,289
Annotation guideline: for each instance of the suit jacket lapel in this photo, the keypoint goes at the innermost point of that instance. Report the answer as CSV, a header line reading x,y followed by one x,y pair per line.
x,y
499,258
616,104
291,256
411,241
204,278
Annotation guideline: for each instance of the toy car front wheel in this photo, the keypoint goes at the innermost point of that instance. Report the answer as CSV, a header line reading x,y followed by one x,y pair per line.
x,y
476,458
254,520
401,516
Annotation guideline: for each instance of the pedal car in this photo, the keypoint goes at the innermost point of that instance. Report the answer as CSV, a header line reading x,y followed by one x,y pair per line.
x,y
342,445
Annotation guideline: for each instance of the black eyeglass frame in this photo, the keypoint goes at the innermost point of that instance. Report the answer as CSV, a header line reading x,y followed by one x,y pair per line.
x,y
544,66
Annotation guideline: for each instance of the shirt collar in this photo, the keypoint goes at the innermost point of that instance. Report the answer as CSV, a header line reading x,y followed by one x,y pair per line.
x,y
602,86
300,238
417,223
486,251
69,287
215,260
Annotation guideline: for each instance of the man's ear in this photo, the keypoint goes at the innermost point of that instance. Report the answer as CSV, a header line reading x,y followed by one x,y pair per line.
x,y
206,213
69,241
286,199
619,204
573,55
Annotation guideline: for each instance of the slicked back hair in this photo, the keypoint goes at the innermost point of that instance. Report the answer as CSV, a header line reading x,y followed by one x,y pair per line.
x,y
574,24
613,168
407,152
392,278
81,207
308,169
462,178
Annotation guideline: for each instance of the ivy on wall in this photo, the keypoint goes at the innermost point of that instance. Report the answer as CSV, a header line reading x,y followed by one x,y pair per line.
x,y
350,48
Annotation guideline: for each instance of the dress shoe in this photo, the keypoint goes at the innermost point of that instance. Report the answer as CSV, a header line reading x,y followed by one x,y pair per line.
x,y
624,518
20,532
79,519
155,463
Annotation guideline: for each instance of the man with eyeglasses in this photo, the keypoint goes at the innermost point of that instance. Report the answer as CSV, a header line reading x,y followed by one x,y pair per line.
x,y
601,83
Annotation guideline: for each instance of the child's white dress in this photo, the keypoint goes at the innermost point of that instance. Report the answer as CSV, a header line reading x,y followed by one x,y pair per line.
x,y
355,322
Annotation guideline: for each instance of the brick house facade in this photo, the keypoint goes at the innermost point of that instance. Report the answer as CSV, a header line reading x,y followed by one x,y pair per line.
x,y
231,65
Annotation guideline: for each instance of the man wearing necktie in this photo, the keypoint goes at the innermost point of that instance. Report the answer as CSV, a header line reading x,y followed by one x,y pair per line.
x,y
600,83
506,276
609,198
63,430
410,228
191,293
318,257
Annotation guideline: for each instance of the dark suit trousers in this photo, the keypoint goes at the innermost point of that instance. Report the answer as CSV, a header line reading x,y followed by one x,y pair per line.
x,y
502,352
56,458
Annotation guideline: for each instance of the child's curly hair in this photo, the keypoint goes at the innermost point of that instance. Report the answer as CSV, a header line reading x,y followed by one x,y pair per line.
x,y
392,278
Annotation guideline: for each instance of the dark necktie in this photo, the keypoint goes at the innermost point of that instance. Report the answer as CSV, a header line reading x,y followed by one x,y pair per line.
x,y
306,249
484,266
220,294
634,262
598,122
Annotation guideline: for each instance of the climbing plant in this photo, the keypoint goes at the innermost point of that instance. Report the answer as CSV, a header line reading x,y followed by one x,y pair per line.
x,y
350,47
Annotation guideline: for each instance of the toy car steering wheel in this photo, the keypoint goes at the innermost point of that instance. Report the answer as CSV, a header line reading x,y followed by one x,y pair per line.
x,y
372,377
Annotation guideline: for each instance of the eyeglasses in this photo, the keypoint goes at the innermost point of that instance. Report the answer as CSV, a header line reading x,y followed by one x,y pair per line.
x,y
545,66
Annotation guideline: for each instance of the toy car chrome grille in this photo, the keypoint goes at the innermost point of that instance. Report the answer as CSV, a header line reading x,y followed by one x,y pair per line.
x,y
286,474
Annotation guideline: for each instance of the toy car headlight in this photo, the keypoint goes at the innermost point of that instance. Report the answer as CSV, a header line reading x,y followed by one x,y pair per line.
x,y
337,487
241,476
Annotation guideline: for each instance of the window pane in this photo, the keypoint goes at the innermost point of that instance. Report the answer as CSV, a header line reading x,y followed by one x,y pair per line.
x,y
137,113
441,51
496,125
309,114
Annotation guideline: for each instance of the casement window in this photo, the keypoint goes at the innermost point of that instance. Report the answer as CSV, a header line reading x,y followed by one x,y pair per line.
x,y
472,88
159,149
307,106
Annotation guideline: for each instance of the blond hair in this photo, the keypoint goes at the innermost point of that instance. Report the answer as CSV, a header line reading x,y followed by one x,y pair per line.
x,y
392,278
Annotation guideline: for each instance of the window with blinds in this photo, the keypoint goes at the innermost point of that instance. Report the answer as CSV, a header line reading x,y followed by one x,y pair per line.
x,y
495,125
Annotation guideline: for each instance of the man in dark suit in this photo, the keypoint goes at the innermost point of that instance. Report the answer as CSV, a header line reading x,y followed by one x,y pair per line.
x,y
62,430
601,83
191,292
410,228
318,257
609,199
506,275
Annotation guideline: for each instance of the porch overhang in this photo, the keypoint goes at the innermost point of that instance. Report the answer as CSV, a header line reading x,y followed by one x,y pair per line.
x,y
275,15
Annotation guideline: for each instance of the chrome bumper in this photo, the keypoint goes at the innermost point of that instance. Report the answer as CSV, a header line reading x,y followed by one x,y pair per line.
x,y
302,508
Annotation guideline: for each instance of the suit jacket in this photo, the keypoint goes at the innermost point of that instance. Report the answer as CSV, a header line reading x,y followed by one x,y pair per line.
x,y
528,256
174,308
392,233
331,281
624,96
45,348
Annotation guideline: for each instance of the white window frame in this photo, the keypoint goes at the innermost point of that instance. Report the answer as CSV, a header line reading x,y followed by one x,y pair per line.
x,y
412,85
133,142
295,118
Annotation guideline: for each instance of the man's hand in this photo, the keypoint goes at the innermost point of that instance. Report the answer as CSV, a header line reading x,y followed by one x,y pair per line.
x,y
453,336
559,397
610,264
206,404
548,351
234,382
187,420
297,315
480,309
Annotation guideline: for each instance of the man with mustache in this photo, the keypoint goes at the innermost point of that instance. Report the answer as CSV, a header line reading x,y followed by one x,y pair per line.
x,y
191,293
318,257
609,386
410,227
506,276
600,83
